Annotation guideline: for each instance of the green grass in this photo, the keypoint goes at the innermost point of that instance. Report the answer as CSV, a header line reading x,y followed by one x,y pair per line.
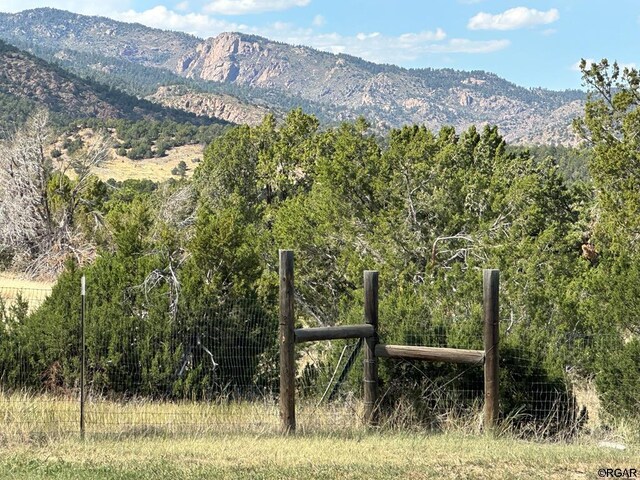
x,y
148,440
366,455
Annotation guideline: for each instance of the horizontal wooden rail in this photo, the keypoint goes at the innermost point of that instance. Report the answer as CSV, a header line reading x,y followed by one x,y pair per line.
x,y
333,333
430,354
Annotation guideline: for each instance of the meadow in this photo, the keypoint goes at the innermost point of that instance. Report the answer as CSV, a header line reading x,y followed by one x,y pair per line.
x,y
362,455
148,440
157,169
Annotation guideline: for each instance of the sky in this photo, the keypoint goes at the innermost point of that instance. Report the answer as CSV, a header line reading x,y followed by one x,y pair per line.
x,y
531,43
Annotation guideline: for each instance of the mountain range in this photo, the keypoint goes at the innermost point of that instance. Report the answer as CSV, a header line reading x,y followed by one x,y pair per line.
x,y
239,78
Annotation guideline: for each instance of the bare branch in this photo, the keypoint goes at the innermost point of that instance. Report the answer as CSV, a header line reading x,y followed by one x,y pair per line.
x,y
38,233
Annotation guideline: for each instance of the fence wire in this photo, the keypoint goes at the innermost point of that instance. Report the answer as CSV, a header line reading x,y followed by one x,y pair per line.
x,y
180,374
329,385
21,297
215,370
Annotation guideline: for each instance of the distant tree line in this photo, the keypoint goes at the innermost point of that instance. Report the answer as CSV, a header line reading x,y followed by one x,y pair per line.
x,y
143,138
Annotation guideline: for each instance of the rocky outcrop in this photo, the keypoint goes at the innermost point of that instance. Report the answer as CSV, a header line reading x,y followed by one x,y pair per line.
x,y
213,105
220,59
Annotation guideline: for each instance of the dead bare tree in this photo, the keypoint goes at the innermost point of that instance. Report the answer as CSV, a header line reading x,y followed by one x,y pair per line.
x,y
25,216
36,236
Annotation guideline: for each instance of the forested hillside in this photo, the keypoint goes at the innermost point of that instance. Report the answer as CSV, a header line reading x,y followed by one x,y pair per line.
x,y
32,81
428,209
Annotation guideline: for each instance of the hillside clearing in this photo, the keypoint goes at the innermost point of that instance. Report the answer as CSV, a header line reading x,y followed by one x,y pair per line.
x,y
157,169
122,168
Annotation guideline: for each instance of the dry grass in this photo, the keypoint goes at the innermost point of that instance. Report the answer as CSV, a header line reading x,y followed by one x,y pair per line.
x,y
587,396
10,281
24,416
122,168
145,440
156,169
33,291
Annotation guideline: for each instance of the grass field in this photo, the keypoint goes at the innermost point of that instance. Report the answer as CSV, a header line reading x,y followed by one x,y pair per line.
x,y
366,455
26,416
156,169
33,291
9,281
122,168
149,440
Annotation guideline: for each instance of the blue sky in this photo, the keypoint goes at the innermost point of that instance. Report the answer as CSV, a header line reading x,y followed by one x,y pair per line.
x,y
531,43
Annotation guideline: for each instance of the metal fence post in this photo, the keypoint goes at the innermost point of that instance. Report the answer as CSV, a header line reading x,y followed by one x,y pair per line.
x,y
82,353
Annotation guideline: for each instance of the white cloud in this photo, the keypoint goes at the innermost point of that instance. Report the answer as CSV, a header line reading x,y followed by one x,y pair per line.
x,y
197,24
512,19
378,47
244,7
318,21
182,6
367,36
424,36
464,45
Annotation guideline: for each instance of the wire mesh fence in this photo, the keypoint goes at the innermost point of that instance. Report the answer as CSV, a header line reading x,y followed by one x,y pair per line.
x,y
184,375
12,297
329,385
213,369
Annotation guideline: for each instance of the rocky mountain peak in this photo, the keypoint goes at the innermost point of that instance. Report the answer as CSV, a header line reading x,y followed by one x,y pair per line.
x,y
216,58
231,43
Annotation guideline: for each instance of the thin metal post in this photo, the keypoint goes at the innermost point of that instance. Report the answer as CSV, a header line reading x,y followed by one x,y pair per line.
x,y
83,359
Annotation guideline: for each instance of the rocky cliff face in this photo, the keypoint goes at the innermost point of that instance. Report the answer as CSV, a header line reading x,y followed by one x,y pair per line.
x,y
211,105
387,95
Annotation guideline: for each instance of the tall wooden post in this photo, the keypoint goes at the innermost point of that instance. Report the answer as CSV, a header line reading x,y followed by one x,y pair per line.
x,y
370,359
83,360
490,292
287,343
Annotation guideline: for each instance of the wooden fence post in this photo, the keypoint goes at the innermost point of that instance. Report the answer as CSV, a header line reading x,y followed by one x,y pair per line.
x,y
287,343
370,359
490,292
